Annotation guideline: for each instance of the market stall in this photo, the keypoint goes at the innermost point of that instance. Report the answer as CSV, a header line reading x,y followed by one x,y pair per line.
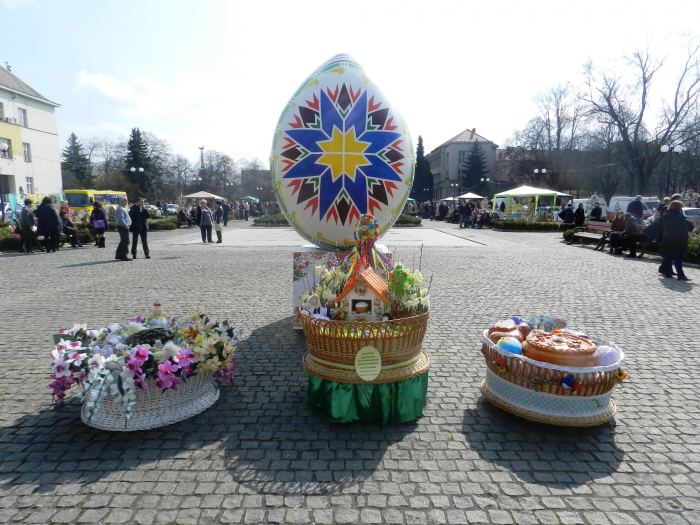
x,y
515,209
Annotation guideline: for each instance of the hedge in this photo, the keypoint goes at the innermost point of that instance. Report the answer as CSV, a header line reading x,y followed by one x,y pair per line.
x,y
528,226
408,220
271,220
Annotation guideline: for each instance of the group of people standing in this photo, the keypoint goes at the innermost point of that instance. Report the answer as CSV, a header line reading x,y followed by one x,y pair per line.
x,y
207,220
45,224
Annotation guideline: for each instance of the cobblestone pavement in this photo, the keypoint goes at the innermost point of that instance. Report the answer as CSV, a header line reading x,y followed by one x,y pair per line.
x,y
261,456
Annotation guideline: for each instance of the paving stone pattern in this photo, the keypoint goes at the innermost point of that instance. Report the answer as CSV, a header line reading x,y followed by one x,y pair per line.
x,y
261,456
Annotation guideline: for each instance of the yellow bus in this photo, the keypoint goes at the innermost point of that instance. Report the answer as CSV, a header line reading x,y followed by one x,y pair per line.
x,y
80,201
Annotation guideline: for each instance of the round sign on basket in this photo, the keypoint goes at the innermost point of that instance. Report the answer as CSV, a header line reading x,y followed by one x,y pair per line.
x,y
368,363
340,150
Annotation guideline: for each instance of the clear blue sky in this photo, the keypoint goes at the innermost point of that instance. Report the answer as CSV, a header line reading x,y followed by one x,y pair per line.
x,y
219,73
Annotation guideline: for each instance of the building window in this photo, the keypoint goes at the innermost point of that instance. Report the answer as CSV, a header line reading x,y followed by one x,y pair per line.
x,y
463,156
447,159
6,153
30,184
2,111
22,114
26,148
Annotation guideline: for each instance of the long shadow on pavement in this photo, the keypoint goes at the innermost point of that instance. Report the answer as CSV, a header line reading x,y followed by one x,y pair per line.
x,y
558,457
259,435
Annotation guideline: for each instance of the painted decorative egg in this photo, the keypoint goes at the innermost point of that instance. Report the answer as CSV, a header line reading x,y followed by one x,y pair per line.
x,y
340,150
510,344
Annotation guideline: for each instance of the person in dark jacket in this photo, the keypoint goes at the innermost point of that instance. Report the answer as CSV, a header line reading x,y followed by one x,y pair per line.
x,y
198,213
567,214
139,228
636,208
27,226
226,210
616,228
579,216
630,237
675,239
218,221
69,230
205,221
98,219
630,229
48,224
596,212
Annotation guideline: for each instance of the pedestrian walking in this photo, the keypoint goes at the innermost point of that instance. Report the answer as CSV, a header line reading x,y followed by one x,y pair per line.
x,y
636,208
48,224
246,207
226,209
218,220
98,219
675,239
139,228
164,207
241,210
123,224
205,221
27,225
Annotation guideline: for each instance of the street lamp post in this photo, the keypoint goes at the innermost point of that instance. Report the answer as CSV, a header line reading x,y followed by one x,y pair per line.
x,y
455,189
537,172
667,149
139,170
486,180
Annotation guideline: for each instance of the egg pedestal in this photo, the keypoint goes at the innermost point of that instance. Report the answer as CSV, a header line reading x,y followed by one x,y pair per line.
x,y
548,393
367,371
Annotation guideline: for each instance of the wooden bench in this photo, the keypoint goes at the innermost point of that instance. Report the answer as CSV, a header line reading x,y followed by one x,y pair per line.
x,y
581,233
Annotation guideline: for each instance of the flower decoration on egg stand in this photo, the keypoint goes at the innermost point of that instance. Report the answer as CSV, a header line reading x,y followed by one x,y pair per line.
x,y
364,329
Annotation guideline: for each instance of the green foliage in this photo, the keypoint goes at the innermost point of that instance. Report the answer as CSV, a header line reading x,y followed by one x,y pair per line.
x,y
528,226
569,234
84,236
474,166
137,157
422,189
271,220
162,224
76,162
408,220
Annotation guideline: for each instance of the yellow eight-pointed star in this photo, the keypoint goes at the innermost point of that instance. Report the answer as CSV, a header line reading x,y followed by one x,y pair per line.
x,y
343,153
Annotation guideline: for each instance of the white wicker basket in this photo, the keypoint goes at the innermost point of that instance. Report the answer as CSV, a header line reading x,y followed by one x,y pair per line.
x,y
154,408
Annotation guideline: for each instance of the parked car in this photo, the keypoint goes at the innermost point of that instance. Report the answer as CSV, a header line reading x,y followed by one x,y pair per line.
x,y
649,204
694,215
155,212
173,209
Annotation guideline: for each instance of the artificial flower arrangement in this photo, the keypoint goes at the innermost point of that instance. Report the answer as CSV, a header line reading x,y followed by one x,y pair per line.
x,y
143,354
366,286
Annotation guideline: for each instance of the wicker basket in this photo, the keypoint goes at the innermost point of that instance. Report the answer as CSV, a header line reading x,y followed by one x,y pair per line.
x,y
337,343
547,378
154,408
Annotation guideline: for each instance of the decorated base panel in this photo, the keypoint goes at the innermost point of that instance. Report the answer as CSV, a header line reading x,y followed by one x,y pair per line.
x,y
154,408
517,406
397,402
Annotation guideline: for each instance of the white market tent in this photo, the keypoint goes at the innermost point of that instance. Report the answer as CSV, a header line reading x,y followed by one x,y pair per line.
x,y
470,196
202,195
529,191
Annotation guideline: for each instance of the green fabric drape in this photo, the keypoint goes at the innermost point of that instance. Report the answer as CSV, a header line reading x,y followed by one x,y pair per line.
x,y
398,402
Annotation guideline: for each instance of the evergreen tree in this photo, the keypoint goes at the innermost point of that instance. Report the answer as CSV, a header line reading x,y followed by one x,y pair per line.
x,y
474,167
423,180
137,157
76,162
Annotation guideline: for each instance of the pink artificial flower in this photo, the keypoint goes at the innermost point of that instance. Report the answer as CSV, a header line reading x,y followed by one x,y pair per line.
x,y
134,366
141,354
139,319
61,368
166,380
168,367
78,358
186,372
185,357
140,380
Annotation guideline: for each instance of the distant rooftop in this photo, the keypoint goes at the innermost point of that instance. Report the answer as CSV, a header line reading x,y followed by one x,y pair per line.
x,y
11,82
468,135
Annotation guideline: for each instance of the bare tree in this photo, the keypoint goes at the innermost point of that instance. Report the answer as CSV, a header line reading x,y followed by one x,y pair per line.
x,y
613,99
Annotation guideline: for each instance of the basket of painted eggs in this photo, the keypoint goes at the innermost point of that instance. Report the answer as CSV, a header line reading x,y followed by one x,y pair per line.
x,y
542,371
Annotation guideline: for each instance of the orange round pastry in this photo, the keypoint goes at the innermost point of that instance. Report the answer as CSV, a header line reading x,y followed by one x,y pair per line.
x,y
559,349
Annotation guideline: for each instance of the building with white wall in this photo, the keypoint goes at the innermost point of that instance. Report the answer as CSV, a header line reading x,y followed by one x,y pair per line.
x,y
446,163
30,157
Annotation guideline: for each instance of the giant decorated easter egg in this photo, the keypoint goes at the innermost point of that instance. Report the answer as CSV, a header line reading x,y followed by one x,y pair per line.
x,y
340,150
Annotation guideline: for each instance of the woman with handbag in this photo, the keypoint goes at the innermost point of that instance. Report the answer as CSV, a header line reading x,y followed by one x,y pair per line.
x,y
206,221
218,221
98,218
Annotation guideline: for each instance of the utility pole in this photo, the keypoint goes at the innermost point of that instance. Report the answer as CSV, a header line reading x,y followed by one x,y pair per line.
x,y
201,158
